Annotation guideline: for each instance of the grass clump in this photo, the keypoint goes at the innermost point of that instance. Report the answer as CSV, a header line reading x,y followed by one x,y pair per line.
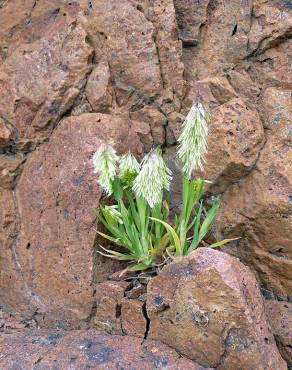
x,y
138,222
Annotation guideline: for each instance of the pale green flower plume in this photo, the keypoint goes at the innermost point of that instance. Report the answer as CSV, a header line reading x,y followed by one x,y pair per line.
x,y
129,169
104,162
112,214
153,178
193,140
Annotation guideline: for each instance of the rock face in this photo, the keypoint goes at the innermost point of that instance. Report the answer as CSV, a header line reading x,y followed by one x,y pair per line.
x,y
209,308
86,349
138,66
54,258
280,317
258,209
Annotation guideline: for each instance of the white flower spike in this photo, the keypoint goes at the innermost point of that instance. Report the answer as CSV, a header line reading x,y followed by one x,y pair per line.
x,y
104,162
153,178
193,140
129,169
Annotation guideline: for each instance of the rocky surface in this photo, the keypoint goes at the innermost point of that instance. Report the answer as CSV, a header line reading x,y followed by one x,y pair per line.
x,y
86,349
258,209
280,318
54,258
137,65
208,306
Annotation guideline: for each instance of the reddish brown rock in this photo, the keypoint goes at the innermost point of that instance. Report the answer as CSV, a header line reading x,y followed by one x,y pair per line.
x,y
258,210
79,349
133,319
6,134
142,129
280,318
125,37
10,169
271,23
243,85
12,286
272,68
191,17
98,89
54,249
224,38
162,15
277,107
109,296
208,306
26,21
155,119
40,81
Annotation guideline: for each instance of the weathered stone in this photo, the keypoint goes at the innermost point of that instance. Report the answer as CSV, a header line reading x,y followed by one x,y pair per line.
x,y
54,250
223,38
6,134
40,81
136,290
133,320
191,16
277,107
26,21
121,33
10,169
142,129
109,296
280,317
242,84
98,89
270,24
174,127
162,14
273,66
11,273
258,209
90,349
208,306
155,119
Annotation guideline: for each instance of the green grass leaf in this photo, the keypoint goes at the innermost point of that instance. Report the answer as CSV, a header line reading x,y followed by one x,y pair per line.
x,y
173,234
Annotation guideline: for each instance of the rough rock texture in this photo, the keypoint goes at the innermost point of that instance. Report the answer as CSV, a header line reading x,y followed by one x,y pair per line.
x,y
53,252
40,81
259,210
98,89
79,350
280,318
143,63
208,306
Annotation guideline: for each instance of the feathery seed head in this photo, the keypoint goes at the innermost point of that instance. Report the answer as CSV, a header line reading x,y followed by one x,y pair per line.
x,y
153,178
113,215
129,169
104,162
193,140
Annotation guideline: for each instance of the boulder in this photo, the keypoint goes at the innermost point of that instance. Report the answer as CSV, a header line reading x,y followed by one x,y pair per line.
x,y
39,82
208,306
6,134
86,349
109,296
98,88
10,169
259,210
156,121
51,245
280,317
133,318
121,33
